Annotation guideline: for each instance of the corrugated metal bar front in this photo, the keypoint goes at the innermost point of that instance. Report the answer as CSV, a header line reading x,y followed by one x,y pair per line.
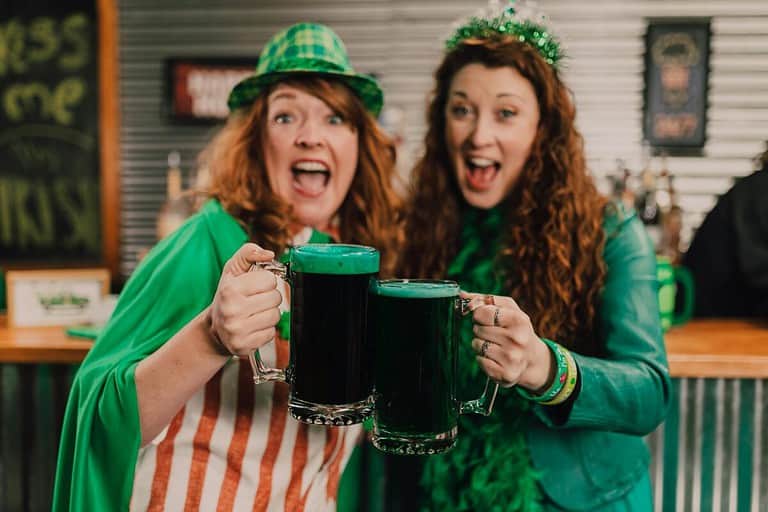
x,y
712,451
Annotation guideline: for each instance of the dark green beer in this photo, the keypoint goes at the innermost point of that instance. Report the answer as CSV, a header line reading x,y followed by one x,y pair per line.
x,y
330,364
414,330
330,353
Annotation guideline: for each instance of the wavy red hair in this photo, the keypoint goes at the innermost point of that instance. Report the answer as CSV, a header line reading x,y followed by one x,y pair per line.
x,y
370,212
551,255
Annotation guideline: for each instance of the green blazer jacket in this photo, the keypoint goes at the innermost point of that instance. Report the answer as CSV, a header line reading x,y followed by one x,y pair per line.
x,y
593,452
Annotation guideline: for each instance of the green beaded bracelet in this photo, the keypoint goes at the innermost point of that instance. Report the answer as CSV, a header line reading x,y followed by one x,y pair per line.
x,y
558,382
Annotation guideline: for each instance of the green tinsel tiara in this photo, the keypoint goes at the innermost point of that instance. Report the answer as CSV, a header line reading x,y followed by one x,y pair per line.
x,y
500,21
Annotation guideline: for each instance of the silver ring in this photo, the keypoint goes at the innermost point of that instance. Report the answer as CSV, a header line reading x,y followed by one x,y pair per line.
x,y
496,317
484,348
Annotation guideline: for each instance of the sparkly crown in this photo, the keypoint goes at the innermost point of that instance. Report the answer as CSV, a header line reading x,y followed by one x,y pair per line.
x,y
517,19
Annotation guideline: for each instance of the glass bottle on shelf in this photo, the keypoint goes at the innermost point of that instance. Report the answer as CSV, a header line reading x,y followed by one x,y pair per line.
x,y
628,191
177,206
663,198
672,216
646,202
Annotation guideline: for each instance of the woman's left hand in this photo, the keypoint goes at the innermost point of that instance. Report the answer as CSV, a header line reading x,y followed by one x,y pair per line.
x,y
509,351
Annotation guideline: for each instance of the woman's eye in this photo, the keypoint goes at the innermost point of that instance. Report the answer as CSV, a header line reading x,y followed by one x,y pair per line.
x,y
460,111
335,119
283,118
506,113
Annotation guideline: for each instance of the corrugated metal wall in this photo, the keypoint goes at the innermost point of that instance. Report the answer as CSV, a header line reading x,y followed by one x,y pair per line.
x,y
400,40
606,43
152,31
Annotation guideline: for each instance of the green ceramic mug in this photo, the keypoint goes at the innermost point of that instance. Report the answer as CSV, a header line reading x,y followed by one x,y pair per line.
x,y
671,279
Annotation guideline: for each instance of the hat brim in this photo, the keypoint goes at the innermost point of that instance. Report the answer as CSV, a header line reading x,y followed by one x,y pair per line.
x,y
365,87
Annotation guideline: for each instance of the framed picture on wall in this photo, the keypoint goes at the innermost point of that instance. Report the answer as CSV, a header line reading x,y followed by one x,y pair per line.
x,y
676,84
197,88
54,297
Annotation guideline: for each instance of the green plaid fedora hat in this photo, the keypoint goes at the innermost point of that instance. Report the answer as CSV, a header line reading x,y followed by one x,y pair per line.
x,y
306,48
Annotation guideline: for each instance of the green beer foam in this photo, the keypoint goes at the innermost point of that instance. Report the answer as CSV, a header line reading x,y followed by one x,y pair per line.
x,y
339,259
416,289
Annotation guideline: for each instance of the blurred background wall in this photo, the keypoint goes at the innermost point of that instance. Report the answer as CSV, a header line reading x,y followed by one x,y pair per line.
x,y
401,42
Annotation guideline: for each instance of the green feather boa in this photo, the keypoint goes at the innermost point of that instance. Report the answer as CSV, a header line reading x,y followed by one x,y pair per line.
x,y
490,468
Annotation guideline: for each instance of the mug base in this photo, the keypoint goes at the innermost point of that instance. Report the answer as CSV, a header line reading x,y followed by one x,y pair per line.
x,y
404,444
338,415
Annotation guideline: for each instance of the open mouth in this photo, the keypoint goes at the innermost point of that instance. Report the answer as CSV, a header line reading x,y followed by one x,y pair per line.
x,y
481,172
310,177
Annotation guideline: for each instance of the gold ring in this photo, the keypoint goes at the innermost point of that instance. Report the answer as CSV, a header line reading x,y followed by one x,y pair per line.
x,y
484,348
496,317
488,300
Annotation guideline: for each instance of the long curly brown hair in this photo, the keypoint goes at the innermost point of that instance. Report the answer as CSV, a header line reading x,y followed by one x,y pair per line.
x,y
370,212
551,255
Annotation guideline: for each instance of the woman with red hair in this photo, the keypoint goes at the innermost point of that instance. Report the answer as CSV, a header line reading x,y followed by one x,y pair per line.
x,y
161,415
568,319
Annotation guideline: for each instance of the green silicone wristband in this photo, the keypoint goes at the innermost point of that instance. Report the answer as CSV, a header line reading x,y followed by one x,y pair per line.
x,y
560,376
571,378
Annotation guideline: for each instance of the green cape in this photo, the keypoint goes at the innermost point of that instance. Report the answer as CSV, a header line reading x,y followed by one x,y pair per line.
x,y
101,434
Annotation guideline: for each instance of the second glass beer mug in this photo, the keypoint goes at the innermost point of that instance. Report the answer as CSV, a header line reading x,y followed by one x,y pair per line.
x,y
414,325
329,369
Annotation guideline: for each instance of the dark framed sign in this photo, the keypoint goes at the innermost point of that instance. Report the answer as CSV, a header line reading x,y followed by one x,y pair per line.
x,y
197,88
59,120
676,84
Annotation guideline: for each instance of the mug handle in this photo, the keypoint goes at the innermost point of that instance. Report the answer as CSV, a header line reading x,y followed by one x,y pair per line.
x,y
262,373
484,404
685,278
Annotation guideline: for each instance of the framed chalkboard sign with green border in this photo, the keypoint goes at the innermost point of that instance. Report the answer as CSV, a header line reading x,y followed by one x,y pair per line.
x,y
59,184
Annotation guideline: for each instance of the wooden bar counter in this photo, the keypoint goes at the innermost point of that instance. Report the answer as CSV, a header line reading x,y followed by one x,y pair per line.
x,y
700,348
40,345
719,348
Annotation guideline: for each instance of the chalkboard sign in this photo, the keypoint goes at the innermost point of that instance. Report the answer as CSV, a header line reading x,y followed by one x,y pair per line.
x,y
51,138
676,75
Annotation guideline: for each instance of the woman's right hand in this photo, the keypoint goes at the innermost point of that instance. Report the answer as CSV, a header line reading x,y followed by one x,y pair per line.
x,y
244,311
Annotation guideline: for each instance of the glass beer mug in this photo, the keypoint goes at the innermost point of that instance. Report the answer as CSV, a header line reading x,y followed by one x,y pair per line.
x,y
414,326
329,369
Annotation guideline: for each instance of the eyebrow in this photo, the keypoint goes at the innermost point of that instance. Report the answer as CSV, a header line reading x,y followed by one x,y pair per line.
x,y
283,95
500,95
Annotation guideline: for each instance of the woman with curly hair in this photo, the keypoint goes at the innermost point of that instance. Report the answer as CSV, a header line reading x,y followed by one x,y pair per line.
x,y
161,415
568,319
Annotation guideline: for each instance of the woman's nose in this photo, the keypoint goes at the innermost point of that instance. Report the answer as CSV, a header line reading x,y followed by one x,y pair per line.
x,y
482,132
309,134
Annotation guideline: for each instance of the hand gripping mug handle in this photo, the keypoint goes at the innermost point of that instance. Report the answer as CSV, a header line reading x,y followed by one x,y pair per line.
x,y
484,404
262,373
